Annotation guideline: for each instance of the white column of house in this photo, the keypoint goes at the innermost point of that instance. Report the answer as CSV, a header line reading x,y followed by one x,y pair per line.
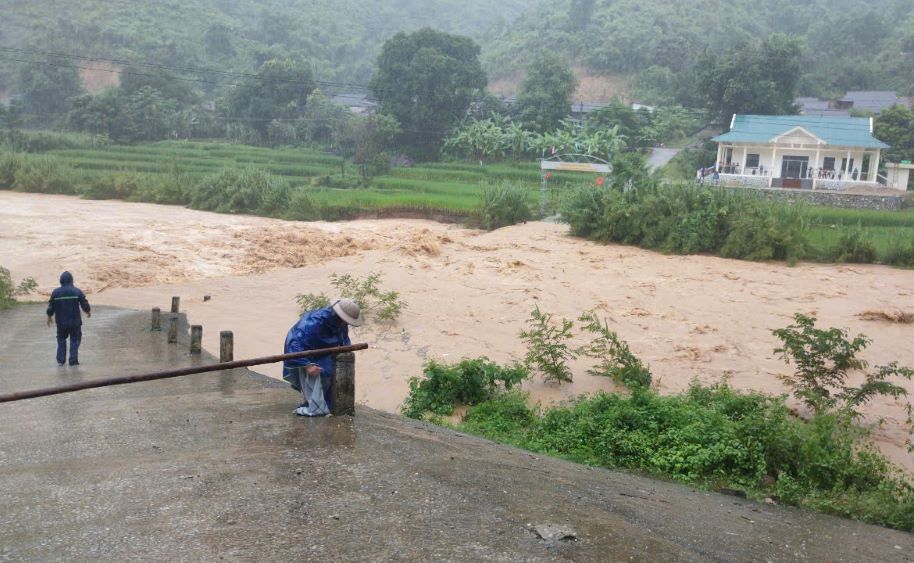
x,y
816,165
774,161
720,149
875,165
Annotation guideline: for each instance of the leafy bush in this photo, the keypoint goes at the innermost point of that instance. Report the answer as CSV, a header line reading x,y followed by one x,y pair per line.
x,y
855,247
687,220
311,302
242,191
114,186
616,359
383,305
302,207
443,387
900,253
35,174
503,205
547,346
9,290
766,233
824,359
716,437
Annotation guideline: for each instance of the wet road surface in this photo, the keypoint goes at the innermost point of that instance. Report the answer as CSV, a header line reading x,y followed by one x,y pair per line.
x,y
215,466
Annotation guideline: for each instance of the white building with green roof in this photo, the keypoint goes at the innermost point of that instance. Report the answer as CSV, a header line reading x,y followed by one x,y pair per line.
x,y
803,152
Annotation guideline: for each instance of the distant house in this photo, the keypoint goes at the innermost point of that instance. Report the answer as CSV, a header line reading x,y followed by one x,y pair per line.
x,y
820,108
360,104
806,152
867,101
872,101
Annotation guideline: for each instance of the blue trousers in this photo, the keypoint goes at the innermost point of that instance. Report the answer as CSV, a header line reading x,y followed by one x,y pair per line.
x,y
75,334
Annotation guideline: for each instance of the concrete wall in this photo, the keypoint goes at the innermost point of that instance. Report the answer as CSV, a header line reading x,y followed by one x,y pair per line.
x,y
831,199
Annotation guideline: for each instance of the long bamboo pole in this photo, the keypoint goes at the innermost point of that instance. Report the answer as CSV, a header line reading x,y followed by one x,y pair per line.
x,y
22,395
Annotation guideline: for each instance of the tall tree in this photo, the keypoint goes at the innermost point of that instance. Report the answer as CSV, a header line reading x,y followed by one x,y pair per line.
x,y
279,91
752,78
545,96
426,80
895,126
47,89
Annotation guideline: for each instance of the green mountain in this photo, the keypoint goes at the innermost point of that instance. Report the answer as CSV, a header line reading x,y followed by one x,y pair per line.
x,y
847,44
340,37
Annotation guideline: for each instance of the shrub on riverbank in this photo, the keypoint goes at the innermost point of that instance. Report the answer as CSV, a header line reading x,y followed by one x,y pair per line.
x,y
689,219
711,435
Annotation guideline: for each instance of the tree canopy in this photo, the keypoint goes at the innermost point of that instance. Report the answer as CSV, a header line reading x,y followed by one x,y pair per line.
x,y
545,95
279,91
426,81
754,78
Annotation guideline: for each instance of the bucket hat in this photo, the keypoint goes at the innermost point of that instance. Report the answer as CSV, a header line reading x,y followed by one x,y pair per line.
x,y
349,311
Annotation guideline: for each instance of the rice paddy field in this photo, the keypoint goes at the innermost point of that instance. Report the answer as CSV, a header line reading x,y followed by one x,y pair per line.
x,y
436,189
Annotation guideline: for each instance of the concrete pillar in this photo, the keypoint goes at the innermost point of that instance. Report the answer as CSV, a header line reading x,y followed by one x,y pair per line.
x,y
173,329
875,164
343,390
226,346
175,304
196,339
156,323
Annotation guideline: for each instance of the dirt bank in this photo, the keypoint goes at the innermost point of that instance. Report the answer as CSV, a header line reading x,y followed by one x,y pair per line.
x,y
468,292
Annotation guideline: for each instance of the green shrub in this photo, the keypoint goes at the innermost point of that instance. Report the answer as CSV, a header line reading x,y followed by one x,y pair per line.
x,y
43,174
688,220
854,247
303,207
900,253
547,346
242,191
503,205
713,436
443,387
114,186
616,358
765,233
172,188
9,290
367,292
824,359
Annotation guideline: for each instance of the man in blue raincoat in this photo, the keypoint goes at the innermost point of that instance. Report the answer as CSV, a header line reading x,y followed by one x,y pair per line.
x,y
321,328
64,306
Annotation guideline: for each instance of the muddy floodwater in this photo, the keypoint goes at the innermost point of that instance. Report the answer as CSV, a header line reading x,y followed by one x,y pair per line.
x,y
468,292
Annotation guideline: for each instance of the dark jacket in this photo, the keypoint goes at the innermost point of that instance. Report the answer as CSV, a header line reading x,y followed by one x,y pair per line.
x,y
317,329
65,303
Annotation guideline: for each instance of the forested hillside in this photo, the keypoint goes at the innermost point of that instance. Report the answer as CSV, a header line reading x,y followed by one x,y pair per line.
x,y
341,38
847,44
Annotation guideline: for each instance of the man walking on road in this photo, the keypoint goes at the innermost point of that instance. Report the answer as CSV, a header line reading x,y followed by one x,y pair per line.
x,y
64,305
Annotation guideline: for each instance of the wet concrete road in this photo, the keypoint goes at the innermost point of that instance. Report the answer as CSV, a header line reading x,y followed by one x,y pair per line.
x,y
216,466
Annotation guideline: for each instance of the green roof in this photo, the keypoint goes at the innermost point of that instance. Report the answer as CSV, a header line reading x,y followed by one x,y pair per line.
x,y
835,131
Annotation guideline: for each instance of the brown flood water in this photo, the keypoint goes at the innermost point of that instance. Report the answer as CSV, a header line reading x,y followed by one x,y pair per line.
x,y
469,292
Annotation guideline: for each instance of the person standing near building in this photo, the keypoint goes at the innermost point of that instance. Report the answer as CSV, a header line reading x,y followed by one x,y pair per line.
x,y
64,306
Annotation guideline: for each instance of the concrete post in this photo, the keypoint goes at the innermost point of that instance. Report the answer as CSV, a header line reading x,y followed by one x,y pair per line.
x,y
343,390
196,339
175,304
173,329
226,346
156,324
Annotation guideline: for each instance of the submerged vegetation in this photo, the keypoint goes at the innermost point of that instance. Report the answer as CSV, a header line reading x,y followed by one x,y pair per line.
x,y
711,436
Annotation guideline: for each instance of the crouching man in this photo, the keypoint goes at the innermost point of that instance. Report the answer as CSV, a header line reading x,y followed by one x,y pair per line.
x,y
313,377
